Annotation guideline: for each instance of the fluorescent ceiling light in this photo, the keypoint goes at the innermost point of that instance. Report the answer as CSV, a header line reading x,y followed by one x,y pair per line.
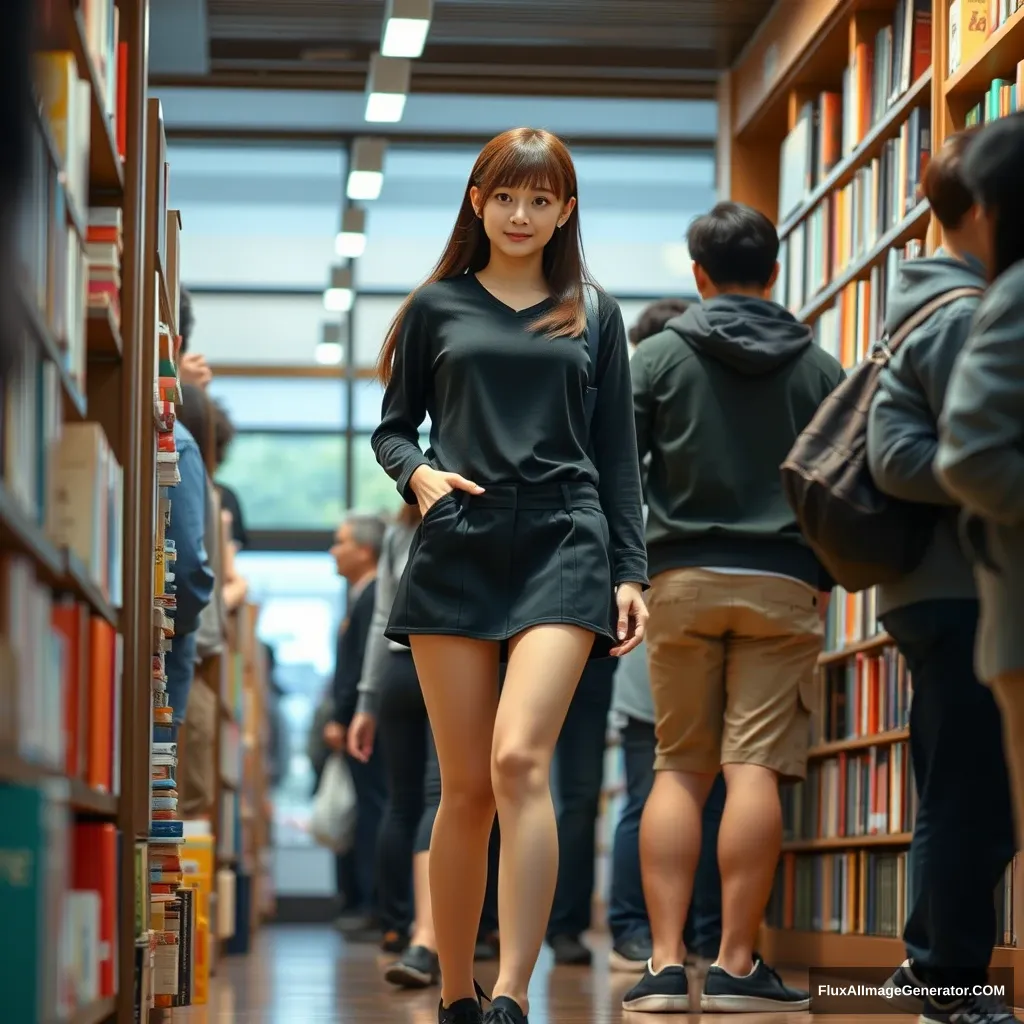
x,y
351,240
387,86
338,297
366,170
406,24
329,351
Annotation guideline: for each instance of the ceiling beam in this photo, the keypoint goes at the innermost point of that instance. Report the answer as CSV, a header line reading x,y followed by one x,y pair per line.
x,y
276,135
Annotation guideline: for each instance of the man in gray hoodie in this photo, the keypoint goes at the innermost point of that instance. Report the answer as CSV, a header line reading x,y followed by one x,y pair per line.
x,y
956,741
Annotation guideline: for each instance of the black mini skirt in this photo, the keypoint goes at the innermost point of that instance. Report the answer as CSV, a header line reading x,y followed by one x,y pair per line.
x,y
489,566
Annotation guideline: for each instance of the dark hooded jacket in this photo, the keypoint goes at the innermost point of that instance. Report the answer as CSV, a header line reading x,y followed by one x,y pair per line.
x,y
720,396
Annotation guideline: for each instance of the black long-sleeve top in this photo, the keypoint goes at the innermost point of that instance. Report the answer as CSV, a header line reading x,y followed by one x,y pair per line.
x,y
348,665
507,405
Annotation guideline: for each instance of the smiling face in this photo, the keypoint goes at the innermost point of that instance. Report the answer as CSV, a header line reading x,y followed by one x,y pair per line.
x,y
520,221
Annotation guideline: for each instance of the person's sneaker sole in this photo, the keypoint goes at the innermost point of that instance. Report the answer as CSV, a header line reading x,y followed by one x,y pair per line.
x,y
751,1004
618,963
408,977
658,1004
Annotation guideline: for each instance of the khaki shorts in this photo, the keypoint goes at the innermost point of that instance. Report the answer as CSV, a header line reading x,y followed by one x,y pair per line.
x,y
197,779
732,661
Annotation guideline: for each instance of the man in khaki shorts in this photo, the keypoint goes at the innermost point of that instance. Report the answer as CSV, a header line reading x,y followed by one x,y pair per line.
x,y
737,601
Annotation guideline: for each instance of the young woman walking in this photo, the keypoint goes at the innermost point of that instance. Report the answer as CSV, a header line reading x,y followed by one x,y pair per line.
x,y
531,546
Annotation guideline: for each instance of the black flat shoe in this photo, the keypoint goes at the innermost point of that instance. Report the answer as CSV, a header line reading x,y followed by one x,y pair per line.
x,y
417,968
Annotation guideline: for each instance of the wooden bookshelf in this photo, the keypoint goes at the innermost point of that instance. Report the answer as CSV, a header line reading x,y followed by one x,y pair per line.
x,y
800,52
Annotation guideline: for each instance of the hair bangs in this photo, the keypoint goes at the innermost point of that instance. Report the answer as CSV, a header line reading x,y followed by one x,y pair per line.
x,y
527,159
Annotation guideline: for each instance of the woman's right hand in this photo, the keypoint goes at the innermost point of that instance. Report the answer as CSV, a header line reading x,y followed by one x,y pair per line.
x,y
431,485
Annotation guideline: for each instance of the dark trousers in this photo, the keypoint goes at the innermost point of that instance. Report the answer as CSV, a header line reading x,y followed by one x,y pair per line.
x,y
413,776
963,835
627,910
357,869
578,773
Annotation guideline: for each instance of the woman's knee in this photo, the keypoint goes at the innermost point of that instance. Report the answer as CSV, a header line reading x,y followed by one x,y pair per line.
x,y
469,797
518,770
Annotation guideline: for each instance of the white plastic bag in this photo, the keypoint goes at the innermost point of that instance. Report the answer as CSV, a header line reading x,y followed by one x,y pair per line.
x,y
333,822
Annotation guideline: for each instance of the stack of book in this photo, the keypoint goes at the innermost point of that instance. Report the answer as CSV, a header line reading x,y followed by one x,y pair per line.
x,y
104,249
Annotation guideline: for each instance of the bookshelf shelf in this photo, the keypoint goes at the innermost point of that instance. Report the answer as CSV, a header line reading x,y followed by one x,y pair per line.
x,y
1002,51
106,171
846,842
873,645
104,336
76,580
92,801
75,401
843,173
95,1013
914,225
18,530
878,739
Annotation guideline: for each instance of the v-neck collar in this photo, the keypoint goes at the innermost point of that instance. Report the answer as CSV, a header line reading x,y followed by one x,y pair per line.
x,y
527,312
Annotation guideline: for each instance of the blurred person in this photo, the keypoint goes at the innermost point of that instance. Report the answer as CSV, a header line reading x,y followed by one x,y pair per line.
x,y
980,458
356,552
224,434
197,771
15,100
194,579
956,741
192,367
633,708
738,602
542,561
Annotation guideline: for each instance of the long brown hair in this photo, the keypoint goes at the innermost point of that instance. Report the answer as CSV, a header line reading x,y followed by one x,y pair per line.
x,y
518,158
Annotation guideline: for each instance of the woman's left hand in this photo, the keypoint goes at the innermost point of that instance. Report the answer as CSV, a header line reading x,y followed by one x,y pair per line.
x,y
632,617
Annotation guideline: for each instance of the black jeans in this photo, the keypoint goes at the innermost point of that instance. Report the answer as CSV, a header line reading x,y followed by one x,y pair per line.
x,y
356,870
403,733
627,908
578,773
963,835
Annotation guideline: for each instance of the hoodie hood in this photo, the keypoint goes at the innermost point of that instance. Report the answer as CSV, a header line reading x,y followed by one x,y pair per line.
x,y
751,336
921,280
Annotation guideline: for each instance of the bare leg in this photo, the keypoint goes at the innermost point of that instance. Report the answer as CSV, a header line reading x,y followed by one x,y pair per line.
x,y
545,665
459,678
670,832
1009,693
423,928
749,843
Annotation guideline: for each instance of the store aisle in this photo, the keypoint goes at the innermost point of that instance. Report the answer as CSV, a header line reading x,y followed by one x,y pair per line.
x,y
309,975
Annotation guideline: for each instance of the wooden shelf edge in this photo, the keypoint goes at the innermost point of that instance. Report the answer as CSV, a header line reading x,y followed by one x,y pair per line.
x,y
1008,38
77,581
95,1013
75,400
869,646
839,843
103,336
17,526
895,236
878,739
81,796
91,801
867,148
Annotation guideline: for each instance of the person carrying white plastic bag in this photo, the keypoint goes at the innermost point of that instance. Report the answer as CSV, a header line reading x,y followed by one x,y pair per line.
x,y
333,822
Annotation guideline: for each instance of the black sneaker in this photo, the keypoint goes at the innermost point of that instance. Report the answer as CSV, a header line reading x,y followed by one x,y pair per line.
x,y
665,992
417,968
504,1011
569,950
900,979
973,1010
761,991
462,1011
394,942
630,955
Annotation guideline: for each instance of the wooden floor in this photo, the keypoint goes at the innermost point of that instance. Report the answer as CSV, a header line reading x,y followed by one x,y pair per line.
x,y
310,975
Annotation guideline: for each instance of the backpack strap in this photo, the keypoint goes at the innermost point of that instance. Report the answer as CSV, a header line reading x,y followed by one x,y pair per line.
x,y
887,346
593,339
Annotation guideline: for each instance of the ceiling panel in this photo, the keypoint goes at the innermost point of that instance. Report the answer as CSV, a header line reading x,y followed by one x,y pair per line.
x,y
670,48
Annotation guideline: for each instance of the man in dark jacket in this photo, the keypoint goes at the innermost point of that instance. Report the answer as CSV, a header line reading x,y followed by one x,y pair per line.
x,y
737,600
956,734
356,551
